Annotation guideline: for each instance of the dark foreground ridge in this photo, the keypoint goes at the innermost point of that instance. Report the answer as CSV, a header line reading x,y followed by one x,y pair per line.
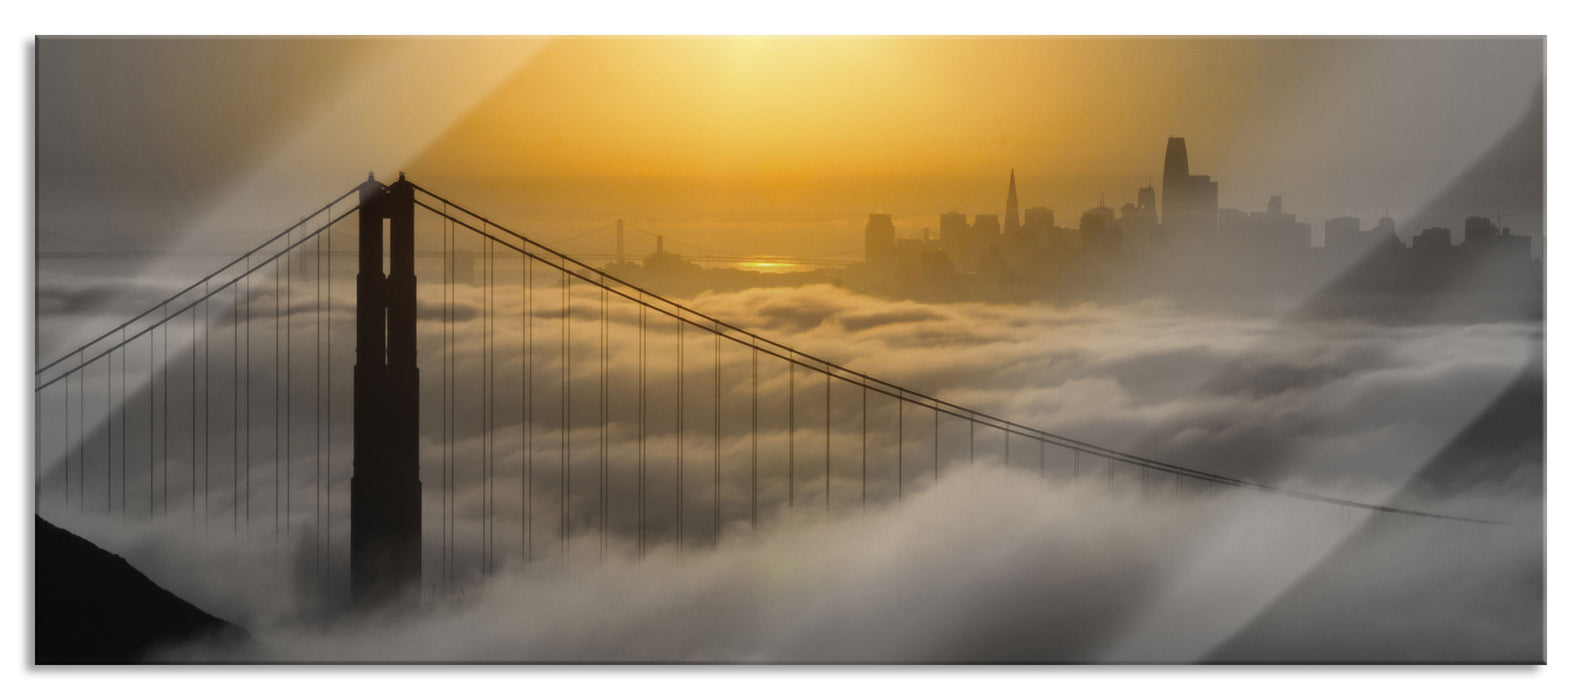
x,y
92,607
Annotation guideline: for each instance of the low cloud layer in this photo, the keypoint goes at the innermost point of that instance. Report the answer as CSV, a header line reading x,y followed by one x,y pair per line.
x,y
995,565
988,564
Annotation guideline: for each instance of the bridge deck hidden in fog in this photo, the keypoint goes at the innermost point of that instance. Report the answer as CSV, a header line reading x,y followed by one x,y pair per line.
x,y
527,396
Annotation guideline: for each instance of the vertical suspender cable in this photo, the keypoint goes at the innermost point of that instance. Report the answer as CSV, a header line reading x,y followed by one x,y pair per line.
x,y
247,405
278,373
109,430
604,418
972,441
164,405
290,317
65,405
124,350
236,415
865,443
680,411
755,436
790,431
208,328
38,444
565,409
936,442
530,367
717,436
445,266
192,467
329,386
525,426
488,401
827,382
642,428
82,433
318,409
900,445
151,370
446,400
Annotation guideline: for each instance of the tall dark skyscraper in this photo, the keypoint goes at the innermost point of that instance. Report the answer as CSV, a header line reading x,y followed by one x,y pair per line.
x,y
1013,213
879,239
1190,202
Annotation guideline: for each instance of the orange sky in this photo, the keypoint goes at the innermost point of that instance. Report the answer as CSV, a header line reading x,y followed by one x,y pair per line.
x,y
752,130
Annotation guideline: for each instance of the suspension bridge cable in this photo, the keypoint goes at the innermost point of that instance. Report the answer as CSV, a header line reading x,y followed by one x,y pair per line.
x,y
971,415
790,435
900,448
163,304
936,445
827,462
526,426
168,316
865,447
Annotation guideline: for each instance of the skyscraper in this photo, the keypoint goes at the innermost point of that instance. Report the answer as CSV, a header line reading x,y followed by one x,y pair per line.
x,y
1190,202
879,239
1013,213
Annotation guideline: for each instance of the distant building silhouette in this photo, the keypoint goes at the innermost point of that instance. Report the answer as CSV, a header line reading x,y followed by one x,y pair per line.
x,y
1101,234
1479,230
1436,238
1013,217
879,239
1342,231
1190,202
954,234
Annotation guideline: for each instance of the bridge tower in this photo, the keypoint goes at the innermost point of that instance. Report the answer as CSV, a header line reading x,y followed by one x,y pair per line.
x,y
386,508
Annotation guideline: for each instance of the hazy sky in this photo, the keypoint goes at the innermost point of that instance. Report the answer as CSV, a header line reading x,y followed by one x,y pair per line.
x,y
754,129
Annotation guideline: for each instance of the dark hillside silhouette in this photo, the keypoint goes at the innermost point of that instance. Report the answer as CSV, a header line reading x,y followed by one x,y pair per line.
x,y
92,607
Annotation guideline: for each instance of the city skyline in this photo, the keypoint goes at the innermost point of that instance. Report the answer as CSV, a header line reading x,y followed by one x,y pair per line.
x,y
1115,409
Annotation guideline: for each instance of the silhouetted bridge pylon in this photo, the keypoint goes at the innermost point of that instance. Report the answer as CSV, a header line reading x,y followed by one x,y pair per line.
x,y
505,403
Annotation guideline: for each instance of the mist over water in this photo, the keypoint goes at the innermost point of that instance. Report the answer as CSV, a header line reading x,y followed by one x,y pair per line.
x,y
1086,563
994,565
